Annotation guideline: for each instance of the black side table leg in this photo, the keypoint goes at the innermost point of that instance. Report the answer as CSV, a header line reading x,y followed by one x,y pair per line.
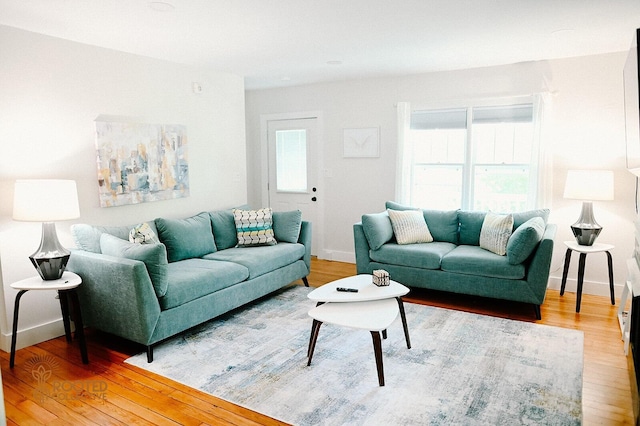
x,y
565,271
64,307
77,319
14,334
611,290
583,259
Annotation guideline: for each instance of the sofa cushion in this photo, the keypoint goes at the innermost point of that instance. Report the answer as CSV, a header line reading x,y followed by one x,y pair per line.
x,y
495,232
473,260
521,217
261,259
186,238
224,229
470,226
377,229
87,237
190,279
254,227
426,256
154,257
524,240
286,225
409,226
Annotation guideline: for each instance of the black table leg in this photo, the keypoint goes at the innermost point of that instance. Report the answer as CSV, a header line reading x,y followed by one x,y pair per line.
x,y
565,271
611,290
14,334
377,350
404,322
77,320
583,258
64,307
315,330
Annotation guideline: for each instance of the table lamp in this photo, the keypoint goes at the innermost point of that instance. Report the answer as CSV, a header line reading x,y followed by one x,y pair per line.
x,y
588,186
47,201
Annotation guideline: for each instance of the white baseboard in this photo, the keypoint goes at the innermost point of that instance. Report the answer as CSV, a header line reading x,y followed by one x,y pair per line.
x,y
338,256
33,335
588,287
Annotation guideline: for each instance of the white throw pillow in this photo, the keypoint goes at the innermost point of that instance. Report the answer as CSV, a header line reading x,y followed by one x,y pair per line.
x,y
495,232
409,226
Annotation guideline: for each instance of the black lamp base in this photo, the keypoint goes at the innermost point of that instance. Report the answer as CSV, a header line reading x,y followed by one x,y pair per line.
x,y
50,268
585,236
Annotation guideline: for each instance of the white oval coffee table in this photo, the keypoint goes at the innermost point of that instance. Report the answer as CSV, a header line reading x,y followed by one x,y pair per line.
x,y
370,308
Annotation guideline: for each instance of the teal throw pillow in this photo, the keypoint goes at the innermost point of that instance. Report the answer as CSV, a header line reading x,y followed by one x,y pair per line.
x,y
377,229
524,240
286,226
521,217
254,227
224,229
154,257
186,238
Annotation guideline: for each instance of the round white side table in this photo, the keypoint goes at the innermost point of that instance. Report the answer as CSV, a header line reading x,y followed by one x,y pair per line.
x,y
66,288
584,250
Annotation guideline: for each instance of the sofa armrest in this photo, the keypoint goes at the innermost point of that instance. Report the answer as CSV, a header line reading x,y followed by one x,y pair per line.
x,y
116,295
305,239
363,261
538,271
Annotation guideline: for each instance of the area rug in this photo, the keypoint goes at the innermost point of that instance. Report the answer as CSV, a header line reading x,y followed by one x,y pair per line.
x,y
461,369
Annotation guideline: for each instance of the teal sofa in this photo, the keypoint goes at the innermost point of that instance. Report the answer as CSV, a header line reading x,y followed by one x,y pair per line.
x,y
454,261
147,293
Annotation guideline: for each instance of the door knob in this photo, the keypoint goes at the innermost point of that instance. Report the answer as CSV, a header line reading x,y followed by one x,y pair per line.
x,y
314,199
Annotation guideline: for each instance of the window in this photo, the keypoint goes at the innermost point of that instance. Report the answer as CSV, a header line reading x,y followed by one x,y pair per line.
x,y
291,160
480,158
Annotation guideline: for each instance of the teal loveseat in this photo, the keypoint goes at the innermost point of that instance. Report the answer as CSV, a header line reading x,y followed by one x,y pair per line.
x,y
147,293
454,261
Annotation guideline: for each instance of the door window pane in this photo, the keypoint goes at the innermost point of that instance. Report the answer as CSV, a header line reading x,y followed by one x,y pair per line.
x,y
291,160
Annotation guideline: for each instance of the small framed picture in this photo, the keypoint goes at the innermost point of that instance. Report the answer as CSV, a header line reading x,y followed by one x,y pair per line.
x,y
361,143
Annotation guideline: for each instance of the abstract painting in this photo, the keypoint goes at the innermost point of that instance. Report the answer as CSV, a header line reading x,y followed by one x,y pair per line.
x,y
138,162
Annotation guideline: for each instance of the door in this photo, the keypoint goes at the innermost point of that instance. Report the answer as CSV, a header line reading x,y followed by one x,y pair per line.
x,y
293,169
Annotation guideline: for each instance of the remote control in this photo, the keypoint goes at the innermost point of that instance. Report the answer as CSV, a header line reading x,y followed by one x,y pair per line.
x,y
350,290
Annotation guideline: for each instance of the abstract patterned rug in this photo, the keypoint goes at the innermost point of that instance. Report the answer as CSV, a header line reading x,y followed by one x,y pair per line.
x,y
462,368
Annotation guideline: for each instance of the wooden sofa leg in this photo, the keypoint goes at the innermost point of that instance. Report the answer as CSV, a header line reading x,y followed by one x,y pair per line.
x,y
149,354
537,309
305,281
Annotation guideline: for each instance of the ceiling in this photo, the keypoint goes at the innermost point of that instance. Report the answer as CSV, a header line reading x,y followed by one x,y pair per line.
x,y
275,43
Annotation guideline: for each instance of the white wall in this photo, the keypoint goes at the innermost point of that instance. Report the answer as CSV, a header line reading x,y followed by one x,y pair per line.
x,y
51,91
584,128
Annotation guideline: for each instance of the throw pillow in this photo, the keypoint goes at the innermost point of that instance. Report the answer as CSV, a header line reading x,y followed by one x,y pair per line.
x,y
495,232
186,238
224,229
524,240
154,257
377,229
409,226
286,226
254,227
143,233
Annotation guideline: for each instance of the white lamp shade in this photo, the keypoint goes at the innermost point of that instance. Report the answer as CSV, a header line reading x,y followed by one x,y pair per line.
x,y
589,185
45,200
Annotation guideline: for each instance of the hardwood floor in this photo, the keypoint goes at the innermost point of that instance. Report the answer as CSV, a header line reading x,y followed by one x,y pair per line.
x,y
110,392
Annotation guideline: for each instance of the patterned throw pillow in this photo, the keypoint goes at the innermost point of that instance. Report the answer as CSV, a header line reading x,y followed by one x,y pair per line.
x,y
143,234
409,226
495,232
254,227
